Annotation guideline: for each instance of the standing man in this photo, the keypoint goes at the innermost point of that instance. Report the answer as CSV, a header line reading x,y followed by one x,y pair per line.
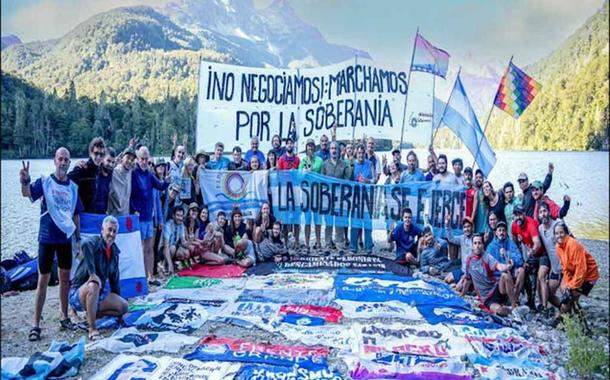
x,y
458,165
85,177
238,163
444,176
59,220
480,208
396,158
335,167
254,151
310,162
277,147
510,201
120,185
412,172
528,198
175,165
103,181
218,161
432,159
290,161
373,158
364,172
100,264
324,151
141,203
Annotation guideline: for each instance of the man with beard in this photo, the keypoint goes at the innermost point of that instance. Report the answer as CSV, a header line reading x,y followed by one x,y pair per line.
x,y
548,286
59,221
480,207
396,159
85,177
254,151
100,263
364,172
373,158
412,173
290,161
525,234
443,176
335,167
465,243
528,199
510,201
491,291
238,163
141,203
405,234
503,249
537,190
276,143
103,181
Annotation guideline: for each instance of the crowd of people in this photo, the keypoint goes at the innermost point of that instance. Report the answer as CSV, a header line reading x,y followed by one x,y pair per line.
x,y
511,243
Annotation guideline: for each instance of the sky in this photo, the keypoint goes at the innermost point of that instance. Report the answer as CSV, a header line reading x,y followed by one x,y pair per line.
x,y
474,30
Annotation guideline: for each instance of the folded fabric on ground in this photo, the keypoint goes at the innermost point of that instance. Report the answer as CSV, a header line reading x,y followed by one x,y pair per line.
x,y
501,367
351,264
262,372
387,287
188,282
291,281
316,297
61,360
328,314
238,350
177,317
213,271
164,368
408,367
132,340
388,309
424,339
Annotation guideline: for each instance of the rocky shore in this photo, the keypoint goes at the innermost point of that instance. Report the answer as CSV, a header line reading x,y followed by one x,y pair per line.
x,y
17,310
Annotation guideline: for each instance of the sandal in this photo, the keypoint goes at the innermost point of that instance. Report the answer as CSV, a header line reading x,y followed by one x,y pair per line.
x,y
95,336
67,324
34,334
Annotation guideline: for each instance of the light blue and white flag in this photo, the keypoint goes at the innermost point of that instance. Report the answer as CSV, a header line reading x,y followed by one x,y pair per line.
x,y
459,116
131,261
223,190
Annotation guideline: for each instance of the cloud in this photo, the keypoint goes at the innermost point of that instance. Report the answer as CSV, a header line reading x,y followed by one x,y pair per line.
x,y
47,19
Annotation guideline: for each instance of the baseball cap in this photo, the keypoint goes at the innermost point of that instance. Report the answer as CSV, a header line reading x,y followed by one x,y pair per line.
x,y
193,205
522,176
537,184
159,161
500,224
310,142
518,209
201,153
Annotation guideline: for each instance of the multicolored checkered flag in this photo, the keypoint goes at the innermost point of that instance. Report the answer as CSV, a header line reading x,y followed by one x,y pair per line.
x,y
516,91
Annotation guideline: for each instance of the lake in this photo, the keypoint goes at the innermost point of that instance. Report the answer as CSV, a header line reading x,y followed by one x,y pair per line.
x,y
581,175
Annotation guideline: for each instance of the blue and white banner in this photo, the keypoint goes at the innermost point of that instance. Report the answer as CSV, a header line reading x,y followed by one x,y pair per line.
x,y
435,314
387,287
317,297
297,196
503,367
223,190
262,372
131,261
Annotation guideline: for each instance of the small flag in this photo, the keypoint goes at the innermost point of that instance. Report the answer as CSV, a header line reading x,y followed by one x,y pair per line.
x,y
428,58
516,91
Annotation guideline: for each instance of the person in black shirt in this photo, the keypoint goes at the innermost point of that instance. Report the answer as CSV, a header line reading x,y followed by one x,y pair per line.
x,y
85,176
237,241
100,263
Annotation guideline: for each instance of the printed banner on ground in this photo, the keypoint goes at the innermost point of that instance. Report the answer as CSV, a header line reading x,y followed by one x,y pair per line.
x,y
360,95
177,317
329,314
131,262
238,350
407,367
387,287
164,368
298,196
455,316
502,367
338,336
291,281
513,345
427,340
260,372
350,263
223,190
318,297
258,313
389,309
131,340
213,271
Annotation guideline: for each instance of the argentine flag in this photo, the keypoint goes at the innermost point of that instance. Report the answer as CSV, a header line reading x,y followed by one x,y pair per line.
x,y
131,262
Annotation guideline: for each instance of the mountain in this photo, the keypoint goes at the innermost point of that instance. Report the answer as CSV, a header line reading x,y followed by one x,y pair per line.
x,y
9,40
145,51
571,111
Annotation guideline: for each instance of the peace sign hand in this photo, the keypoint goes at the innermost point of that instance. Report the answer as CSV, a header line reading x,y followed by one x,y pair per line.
x,y
24,173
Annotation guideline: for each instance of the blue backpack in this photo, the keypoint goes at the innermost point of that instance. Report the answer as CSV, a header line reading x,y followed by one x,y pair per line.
x,y
21,272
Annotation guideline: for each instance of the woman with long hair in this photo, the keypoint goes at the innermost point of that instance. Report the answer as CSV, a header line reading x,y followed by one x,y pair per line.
x,y
189,186
263,222
271,163
494,200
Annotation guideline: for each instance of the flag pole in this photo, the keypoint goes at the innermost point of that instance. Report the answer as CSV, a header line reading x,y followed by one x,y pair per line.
x,y
355,95
404,112
489,114
433,97
446,105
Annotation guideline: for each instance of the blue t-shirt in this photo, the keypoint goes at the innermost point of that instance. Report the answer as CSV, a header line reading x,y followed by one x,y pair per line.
x,y
405,240
364,169
417,175
324,154
49,233
259,154
221,164
142,200
512,252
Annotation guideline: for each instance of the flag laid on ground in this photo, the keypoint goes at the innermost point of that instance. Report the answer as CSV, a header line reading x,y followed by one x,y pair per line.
x,y
131,262
459,116
428,58
516,91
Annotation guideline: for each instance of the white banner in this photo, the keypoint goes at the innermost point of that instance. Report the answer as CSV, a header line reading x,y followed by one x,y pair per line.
x,y
360,95
223,190
389,309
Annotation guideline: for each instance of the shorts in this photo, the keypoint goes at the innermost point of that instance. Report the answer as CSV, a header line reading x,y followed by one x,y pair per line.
x,y
46,253
496,297
457,274
147,230
555,276
586,287
534,262
74,298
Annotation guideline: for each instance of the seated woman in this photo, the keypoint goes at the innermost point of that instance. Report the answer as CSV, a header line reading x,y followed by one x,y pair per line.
x,y
213,247
263,222
237,241
432,253
272,246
